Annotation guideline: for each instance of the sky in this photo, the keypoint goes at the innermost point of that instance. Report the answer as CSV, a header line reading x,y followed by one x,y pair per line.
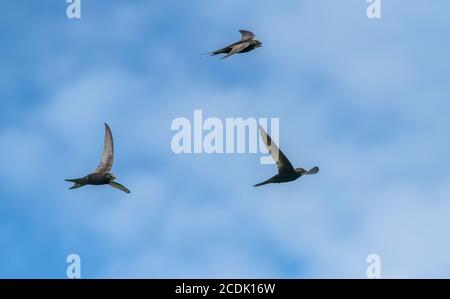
x,y
367,100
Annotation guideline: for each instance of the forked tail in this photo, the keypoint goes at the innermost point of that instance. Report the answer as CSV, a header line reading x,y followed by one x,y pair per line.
x,y
77,183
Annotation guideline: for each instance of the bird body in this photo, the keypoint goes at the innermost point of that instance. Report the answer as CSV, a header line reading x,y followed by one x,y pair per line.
x,y
93,179
246,44
102,175
286,172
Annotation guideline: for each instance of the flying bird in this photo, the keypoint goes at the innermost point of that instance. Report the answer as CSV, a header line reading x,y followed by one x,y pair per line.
x,y
102,175
246,44
286,172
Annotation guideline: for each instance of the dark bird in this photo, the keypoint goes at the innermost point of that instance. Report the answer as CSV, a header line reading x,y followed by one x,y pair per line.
x,y
286,172
246,44
102,175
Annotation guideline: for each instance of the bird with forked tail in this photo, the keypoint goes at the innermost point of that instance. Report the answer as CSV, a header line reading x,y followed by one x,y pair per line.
x,y
246,44
286,172
102,175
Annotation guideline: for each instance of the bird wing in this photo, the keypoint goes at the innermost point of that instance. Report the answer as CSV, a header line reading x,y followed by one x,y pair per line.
x,y
284,165
314,170
119,186
237,48
246,35
106,162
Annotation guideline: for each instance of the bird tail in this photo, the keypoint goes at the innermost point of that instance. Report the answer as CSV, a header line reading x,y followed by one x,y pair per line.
x,y
225,50
226,56
212,53
77,183
263,183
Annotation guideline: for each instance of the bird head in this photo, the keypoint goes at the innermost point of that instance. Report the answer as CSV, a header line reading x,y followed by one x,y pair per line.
x,y
111,176
258,44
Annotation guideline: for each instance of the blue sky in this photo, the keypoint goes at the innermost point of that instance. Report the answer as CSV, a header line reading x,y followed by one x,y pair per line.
x,y
366,100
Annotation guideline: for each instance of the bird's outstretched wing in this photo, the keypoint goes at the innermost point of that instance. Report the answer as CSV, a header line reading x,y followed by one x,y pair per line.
x,y
236,49
246,35
284,165
119,186
106,162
